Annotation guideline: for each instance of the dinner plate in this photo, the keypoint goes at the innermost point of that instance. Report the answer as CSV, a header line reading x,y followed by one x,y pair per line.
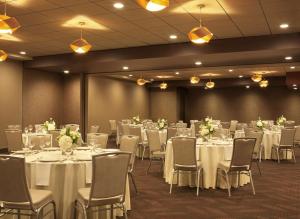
x,y
50,158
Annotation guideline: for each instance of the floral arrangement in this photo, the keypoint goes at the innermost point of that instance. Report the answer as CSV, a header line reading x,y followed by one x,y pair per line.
x,y
162,123
259,124
281,120
136,120
67,138
206,127
50,125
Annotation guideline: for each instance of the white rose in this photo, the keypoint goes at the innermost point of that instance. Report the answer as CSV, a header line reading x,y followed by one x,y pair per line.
x,y
65,142
259,123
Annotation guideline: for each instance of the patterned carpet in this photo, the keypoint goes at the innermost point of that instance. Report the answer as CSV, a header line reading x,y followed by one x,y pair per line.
x,y
277,196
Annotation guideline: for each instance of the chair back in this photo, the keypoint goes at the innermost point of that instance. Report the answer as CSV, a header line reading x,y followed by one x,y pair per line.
x,y
55,133
197,128
225,125
98,139
184,152
38,128
184,132
38,140
242,153
113,125
14,127
136,131
248,131
221,133
289,124
94,129
109,176
297,134
181,125
241,126
14,140
13,184
287,136
258,136
129,143
153,140
72,127
233,124
171,132
125,129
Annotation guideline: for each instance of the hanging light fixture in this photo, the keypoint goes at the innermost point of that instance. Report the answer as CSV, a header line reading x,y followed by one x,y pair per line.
x,y
264,83
163,86
201,34
256,77
81,46
194,80
141,81
3,56
210,84
154,5
8,24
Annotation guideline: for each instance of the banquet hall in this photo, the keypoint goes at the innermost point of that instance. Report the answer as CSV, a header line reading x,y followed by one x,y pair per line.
x,y
149,109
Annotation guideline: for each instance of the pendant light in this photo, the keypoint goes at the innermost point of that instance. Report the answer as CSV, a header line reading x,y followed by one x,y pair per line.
x,y
3,56
194,80
256,77
8,24
210,84
154,5
163,86
141,81
201,34
81,46
264,83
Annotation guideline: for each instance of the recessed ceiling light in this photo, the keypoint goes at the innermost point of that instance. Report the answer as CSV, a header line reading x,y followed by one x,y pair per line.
x,y
198,63
241,76
177,73
173,37
230,70
247,86
66,71
125,67
23,53
295,88
294,85
151,79
288,58
130,75
118,5
284,26
292,67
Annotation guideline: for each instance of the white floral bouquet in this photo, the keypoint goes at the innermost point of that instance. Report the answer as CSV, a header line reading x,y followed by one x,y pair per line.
x,y
67,138
136,120
281,120
206,127
50,125
259,124
162,124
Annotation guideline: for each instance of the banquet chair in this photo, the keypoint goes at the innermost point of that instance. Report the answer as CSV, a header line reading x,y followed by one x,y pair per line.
x,y
39,140
184,159
241,126
257,148
108,186
113,126
125,129
225,125
15,194
286,143
137,131
221,133
157,152
289,124
181,125
197,128
98,139
232,127
72,127
94,129
297,136
14,140
55,133
240,162
248,130
129,143
14,127
38,128
171,132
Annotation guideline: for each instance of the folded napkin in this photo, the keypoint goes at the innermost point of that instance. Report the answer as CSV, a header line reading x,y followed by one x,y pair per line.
x,y
42,174
88,172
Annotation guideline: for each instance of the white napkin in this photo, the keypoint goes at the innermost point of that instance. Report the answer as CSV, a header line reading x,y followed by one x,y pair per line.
x,y
88,172
42,174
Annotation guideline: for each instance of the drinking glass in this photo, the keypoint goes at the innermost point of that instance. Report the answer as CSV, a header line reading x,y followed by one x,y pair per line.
x,y
92,145
26,130
68,153
48,142
30,128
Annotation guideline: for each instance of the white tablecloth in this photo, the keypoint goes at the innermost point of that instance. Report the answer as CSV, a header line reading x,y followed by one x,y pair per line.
x,y
64,178
210,155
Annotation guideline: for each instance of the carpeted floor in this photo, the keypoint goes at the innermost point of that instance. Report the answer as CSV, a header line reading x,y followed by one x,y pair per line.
x,y
277,196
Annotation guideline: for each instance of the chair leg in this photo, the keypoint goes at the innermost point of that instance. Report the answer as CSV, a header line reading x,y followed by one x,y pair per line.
x,y
293,153
75,209
258,167
124,211
251,180
238,175
144,149
228,184
217,174
260,153
150,162
54,209
171,185
133,181
278,158
178,172
111,211
198,181
19,214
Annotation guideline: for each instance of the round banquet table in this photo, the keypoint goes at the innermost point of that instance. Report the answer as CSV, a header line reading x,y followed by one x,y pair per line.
x,y
63,178
210,154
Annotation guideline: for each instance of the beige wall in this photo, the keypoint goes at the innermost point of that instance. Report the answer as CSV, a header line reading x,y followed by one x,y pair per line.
x,y
11,96
42,97
164,104
114,99
243,104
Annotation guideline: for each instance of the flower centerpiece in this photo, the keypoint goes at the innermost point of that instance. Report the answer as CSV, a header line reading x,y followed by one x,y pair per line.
x,y
162,124
68,139
136,120
50,125
281,120
206,128
259,124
